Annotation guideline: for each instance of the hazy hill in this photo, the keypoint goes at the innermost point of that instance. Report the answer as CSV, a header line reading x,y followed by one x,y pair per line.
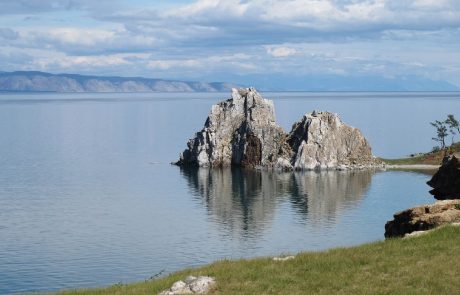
x,y
40,81
294,82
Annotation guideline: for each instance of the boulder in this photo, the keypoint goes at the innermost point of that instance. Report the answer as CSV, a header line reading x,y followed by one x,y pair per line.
x,y
423,218
191,285
281,258
241,131
446,181
321,141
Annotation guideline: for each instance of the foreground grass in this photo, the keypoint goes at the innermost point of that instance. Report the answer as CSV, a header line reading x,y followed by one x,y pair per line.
x,y
434,158
428,264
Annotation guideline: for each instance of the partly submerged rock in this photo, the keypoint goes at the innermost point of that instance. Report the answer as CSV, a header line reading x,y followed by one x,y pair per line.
x,y
242,131
446,182
321,141
191,285
423,218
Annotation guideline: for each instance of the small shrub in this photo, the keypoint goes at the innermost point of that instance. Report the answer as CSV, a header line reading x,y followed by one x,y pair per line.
x,y
457,206
435,149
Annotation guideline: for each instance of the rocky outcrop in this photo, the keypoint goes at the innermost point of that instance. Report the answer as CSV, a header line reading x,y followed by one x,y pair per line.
x,y
321,140
191,285
423,218
242,131
446,181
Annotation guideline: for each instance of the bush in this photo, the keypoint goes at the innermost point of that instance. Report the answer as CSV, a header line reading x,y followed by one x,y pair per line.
x,y
435,149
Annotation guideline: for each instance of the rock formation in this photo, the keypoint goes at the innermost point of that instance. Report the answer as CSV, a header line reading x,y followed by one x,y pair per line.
x,y
242,131
446,182
321,140
423,218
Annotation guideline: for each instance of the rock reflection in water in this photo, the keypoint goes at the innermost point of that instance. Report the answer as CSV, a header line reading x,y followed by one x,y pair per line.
x,y
320,196
242,200
245,201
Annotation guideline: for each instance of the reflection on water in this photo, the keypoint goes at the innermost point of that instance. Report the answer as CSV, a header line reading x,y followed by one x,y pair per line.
x,y
244,201
321,195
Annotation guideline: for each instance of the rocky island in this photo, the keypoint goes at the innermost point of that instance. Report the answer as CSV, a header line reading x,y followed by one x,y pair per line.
x,y
243,131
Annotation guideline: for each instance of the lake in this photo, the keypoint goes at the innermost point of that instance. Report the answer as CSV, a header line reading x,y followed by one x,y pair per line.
x,y
88,197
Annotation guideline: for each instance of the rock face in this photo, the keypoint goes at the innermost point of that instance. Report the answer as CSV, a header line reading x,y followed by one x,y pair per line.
x,y
423,218
446,182
191,285
321,140
242,131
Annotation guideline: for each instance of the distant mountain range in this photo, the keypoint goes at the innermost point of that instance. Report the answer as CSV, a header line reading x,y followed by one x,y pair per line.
x,y
33,81
331,82
45,82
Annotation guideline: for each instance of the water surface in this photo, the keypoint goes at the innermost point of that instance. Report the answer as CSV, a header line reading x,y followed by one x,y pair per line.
x,y
88,198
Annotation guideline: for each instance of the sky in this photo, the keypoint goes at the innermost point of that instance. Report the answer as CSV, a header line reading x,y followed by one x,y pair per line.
x,y
217,40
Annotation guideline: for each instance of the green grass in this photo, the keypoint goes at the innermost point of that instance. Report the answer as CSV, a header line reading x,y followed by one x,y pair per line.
x,y
428,158
428,264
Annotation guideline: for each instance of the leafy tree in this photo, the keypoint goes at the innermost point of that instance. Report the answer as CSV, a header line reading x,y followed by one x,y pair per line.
x,y
454,127
441,132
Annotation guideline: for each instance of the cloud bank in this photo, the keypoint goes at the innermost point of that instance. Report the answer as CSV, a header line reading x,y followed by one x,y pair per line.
x,y
223,38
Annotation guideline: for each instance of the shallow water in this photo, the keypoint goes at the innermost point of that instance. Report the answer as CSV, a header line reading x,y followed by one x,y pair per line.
x,y
87,197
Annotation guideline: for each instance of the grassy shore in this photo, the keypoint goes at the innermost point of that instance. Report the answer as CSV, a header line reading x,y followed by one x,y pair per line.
x,y
433,158
428,264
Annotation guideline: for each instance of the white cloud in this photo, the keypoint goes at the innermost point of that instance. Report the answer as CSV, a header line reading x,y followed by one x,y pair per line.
x,y
237,36
167,64
322,15
71,62
282,51
82,37
82,41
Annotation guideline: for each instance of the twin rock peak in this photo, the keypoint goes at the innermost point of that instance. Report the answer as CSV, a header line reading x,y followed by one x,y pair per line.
x,y
242,131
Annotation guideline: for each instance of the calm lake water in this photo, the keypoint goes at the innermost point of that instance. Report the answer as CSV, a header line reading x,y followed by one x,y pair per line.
x,y
88,198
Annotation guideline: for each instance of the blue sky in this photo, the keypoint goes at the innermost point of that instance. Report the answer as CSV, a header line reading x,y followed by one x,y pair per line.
x,y
221,39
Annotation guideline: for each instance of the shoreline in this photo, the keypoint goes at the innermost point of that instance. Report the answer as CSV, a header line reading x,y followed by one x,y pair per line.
x,y
376,267
412,167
